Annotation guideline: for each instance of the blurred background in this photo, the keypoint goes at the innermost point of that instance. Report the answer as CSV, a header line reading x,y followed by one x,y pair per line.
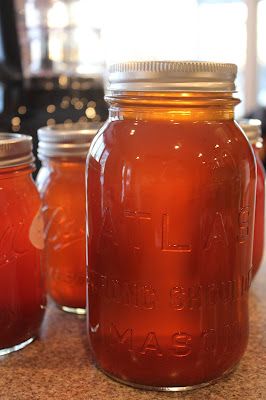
x,y
54,53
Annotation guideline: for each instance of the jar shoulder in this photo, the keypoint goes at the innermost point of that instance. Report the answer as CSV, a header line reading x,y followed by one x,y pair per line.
x,y
19,198
188,142
60,183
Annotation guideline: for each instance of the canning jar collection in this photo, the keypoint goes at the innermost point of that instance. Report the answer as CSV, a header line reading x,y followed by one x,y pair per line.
x,y
170,192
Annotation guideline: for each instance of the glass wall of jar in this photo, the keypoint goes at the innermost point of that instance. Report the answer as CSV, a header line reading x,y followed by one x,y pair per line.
x,y
252,128
170,187
22,297
61,182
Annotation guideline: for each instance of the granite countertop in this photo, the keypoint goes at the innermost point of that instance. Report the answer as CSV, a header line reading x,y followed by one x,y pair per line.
x,y
56,366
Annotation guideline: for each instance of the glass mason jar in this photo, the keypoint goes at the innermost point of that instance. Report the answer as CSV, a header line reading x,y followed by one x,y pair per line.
x,y
22,297
252,128
170,187
61,183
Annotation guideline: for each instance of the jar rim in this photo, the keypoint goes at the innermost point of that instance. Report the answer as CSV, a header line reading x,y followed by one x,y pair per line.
x,y
15,150
179,76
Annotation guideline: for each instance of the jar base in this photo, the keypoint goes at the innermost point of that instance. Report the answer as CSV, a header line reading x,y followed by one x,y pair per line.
x,y
17,347
72,310
169,388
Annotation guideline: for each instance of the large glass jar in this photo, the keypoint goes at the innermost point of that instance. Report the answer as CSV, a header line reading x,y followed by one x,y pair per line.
x,y
22,297
252,128
170,188
61,184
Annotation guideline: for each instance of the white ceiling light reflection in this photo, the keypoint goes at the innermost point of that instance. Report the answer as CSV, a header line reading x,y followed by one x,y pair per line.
x,y
57,15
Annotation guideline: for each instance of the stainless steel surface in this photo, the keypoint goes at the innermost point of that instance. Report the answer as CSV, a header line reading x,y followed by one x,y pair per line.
x,y
59,38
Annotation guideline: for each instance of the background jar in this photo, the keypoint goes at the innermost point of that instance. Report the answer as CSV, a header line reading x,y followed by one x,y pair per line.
x,y
61,183
252,129
22,297
171,189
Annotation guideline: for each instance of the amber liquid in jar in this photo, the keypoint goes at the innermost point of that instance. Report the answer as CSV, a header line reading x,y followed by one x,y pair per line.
x,y
22,297
258,246
170,184
252,128
62,188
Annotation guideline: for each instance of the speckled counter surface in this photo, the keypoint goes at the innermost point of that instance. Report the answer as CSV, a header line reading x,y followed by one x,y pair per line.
x,y
56,366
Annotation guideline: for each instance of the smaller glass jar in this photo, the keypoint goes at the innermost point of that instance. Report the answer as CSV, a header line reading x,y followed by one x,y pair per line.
x,y
22,297
252,128
61,183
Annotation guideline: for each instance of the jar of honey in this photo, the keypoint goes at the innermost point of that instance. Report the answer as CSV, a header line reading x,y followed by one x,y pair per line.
x,y
22,297
252,128
61,183
170,193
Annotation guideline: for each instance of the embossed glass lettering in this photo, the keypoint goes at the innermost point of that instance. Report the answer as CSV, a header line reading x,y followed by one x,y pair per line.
x,y
243,224
181,344
151,345
124,338
167,245
217,233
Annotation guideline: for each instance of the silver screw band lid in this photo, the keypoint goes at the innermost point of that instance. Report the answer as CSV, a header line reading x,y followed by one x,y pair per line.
x,y
15,150
184,76
67,142
252,128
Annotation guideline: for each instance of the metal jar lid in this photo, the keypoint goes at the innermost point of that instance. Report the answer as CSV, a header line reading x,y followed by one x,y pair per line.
x,y
15,150
252,128
67,142
184,76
